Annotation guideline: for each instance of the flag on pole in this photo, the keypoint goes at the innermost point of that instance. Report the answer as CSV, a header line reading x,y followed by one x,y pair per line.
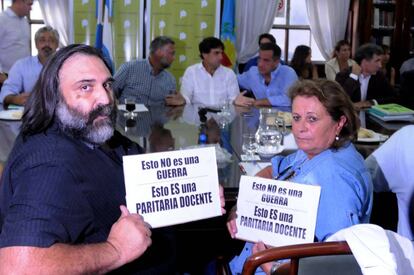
x,y
104,12
228,34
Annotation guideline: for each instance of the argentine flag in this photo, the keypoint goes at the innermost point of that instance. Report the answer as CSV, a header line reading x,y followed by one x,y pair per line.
x,y
104,12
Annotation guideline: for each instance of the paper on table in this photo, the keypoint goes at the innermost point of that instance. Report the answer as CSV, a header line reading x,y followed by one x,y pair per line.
x,y
251,168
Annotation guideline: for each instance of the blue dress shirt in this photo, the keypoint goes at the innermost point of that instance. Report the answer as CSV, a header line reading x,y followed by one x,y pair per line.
x,y
276,91
22,77
346,190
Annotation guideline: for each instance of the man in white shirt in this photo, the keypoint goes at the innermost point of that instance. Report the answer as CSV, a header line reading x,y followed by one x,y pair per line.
x,y
209,83
366,84
14,33
391,170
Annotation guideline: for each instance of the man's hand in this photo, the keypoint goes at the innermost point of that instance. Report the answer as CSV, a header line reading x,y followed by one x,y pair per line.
x,y
175,99
362,105
19,99
130,236
244,101
262,103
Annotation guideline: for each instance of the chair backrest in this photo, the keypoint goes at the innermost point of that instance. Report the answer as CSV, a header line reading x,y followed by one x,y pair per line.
x,y
305,254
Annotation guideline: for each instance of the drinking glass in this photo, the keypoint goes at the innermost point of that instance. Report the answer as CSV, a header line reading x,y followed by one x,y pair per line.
x,y
225,109
249,146
130,107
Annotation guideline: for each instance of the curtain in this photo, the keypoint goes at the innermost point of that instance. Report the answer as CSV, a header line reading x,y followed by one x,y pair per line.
x,y
56,14
327,19
252,19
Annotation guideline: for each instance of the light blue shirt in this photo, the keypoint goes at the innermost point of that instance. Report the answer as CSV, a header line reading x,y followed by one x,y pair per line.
x,y
22,77
346,190
276,91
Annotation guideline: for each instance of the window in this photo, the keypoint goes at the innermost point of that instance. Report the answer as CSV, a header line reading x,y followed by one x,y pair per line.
x,y
35,20
291,28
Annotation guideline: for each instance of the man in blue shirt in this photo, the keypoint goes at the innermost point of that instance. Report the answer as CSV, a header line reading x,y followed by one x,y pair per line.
x,y
24,73
269,81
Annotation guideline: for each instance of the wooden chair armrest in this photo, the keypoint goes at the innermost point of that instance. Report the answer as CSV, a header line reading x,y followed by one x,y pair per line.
x,y
294,252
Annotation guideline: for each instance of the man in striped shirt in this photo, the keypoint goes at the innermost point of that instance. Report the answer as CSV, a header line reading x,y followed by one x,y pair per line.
x,y
146,80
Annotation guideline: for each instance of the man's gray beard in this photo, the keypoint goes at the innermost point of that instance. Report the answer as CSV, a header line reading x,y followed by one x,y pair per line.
x,y
164,63
80,125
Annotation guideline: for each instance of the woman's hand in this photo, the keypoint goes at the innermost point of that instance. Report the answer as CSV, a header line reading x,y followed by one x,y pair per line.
x,y
260,246
265,173
222,199
231,222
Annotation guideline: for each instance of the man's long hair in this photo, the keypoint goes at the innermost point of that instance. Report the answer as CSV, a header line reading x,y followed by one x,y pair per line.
x,y
40,108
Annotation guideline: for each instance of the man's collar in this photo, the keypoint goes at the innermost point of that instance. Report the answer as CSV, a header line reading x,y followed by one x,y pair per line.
x,y
274,72
205,69
152,67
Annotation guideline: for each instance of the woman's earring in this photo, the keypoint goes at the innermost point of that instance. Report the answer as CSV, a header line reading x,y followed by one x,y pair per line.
x,y
336,138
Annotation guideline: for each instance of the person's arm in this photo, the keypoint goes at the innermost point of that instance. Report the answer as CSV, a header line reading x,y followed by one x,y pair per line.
x,y
349,84
187,85
232,86
392,77
128,239
263,103
19,99
329,71
244,80
244,101
12,90
3,77
314,72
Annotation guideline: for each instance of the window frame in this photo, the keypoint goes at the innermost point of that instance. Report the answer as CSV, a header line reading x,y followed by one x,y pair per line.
x,y
287,28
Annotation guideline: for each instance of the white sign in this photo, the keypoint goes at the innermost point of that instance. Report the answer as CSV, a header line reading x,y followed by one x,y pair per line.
x,y
173,187
276,212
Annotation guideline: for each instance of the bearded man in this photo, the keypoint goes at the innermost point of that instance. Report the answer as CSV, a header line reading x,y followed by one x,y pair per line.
x,y
146,80
62,194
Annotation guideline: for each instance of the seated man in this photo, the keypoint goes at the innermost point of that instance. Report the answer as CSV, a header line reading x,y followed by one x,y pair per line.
x,y
269,81
62,194
263,38
209,83
366,84
25,72
391,170
147,80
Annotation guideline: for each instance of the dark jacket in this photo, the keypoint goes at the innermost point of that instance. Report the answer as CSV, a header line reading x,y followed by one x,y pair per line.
x,y
378,87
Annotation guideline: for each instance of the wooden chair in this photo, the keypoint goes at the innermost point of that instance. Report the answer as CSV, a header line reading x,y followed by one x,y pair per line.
x,y
307,254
